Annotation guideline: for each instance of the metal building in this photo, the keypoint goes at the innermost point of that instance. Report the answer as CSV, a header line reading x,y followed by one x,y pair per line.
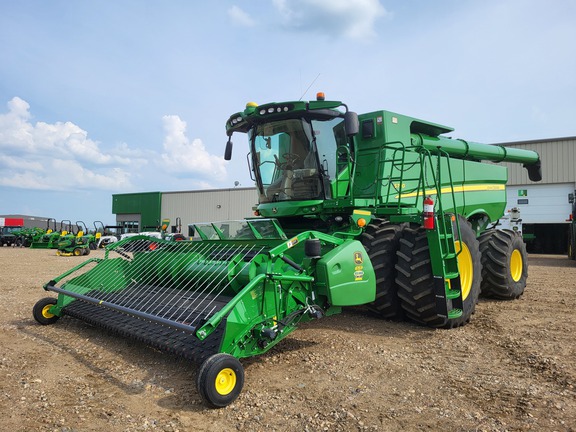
x,y
545,206
208,205
146,211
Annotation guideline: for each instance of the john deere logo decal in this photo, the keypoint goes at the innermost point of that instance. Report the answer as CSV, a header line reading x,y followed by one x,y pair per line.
x,y
358,258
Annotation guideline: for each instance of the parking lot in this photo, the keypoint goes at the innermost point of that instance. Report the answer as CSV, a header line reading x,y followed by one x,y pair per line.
x,y
512,368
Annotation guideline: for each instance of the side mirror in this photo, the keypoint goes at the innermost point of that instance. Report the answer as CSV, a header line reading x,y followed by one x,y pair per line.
x,y
228,150
351,123
571,198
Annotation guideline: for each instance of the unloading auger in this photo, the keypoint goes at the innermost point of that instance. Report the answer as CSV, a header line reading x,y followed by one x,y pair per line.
x,y
376,209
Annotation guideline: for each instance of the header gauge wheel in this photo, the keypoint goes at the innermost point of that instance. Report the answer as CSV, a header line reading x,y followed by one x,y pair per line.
x,y
41,311
220,380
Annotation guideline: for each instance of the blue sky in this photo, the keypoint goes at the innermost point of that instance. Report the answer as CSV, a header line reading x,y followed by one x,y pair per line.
x,y
98,98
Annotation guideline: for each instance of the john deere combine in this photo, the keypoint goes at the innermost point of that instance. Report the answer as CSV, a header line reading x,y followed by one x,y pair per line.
x,y
378,209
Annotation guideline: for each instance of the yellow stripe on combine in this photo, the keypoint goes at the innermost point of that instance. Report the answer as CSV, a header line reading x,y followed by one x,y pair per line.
x,y
362,212
468,188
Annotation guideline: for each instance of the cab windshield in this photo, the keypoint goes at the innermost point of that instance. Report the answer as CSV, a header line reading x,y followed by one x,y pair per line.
x,y
294,159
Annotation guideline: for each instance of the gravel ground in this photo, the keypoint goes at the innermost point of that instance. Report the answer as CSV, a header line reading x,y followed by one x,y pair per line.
x,y
511,369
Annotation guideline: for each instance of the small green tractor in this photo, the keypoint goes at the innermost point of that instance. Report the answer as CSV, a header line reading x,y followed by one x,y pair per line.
x,y
51,237
81,243
27,236
378,209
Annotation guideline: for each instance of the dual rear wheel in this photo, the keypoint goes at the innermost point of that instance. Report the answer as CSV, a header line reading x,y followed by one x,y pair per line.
x,y
504,264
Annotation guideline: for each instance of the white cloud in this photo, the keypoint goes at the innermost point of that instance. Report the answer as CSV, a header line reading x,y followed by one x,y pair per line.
x,y
57,156
239,17
60,156
354,19
184,156
18,136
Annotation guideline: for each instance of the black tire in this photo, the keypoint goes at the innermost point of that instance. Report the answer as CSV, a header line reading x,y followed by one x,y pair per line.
x,y
41,313
416,282
504,264
220,380
381,240
77,252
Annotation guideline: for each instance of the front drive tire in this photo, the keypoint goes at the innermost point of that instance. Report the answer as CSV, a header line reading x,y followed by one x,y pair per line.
x,y
504,264
416,282
41,311
220,380
381,240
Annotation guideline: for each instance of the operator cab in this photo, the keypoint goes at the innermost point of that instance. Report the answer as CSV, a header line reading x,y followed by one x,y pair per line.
x,y
299,151
295,159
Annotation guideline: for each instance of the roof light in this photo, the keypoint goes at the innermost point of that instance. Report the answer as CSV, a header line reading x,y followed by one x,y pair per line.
x,y
320,96
251,105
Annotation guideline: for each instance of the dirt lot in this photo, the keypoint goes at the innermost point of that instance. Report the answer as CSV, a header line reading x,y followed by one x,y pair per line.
x,y
512,368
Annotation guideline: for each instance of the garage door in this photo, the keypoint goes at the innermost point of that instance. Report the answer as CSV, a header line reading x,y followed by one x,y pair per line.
x,y
546,203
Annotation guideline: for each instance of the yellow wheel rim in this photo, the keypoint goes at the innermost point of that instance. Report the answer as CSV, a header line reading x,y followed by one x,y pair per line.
x,y
465,267
516,265
46,312
225,381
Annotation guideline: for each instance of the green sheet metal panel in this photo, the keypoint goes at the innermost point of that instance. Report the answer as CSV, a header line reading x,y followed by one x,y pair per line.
x,y
147,204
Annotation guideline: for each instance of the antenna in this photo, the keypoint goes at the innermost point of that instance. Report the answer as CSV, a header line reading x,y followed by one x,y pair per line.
x,y
308,88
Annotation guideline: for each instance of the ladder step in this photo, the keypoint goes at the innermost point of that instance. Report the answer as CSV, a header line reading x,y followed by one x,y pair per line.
x,y
453,294
455,313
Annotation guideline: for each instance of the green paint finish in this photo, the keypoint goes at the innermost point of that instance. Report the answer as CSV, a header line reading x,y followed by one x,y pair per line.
x,y
346,276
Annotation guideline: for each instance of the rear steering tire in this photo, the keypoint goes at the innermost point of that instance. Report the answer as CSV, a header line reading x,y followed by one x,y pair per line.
x,y
416,281
41,311
381,240
504,264
220,380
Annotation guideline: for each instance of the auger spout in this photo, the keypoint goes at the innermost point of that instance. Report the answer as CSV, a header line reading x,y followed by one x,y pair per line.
x,y
461,149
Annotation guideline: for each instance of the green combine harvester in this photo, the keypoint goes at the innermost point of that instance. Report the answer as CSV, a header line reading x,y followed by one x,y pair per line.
x,y
377,209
